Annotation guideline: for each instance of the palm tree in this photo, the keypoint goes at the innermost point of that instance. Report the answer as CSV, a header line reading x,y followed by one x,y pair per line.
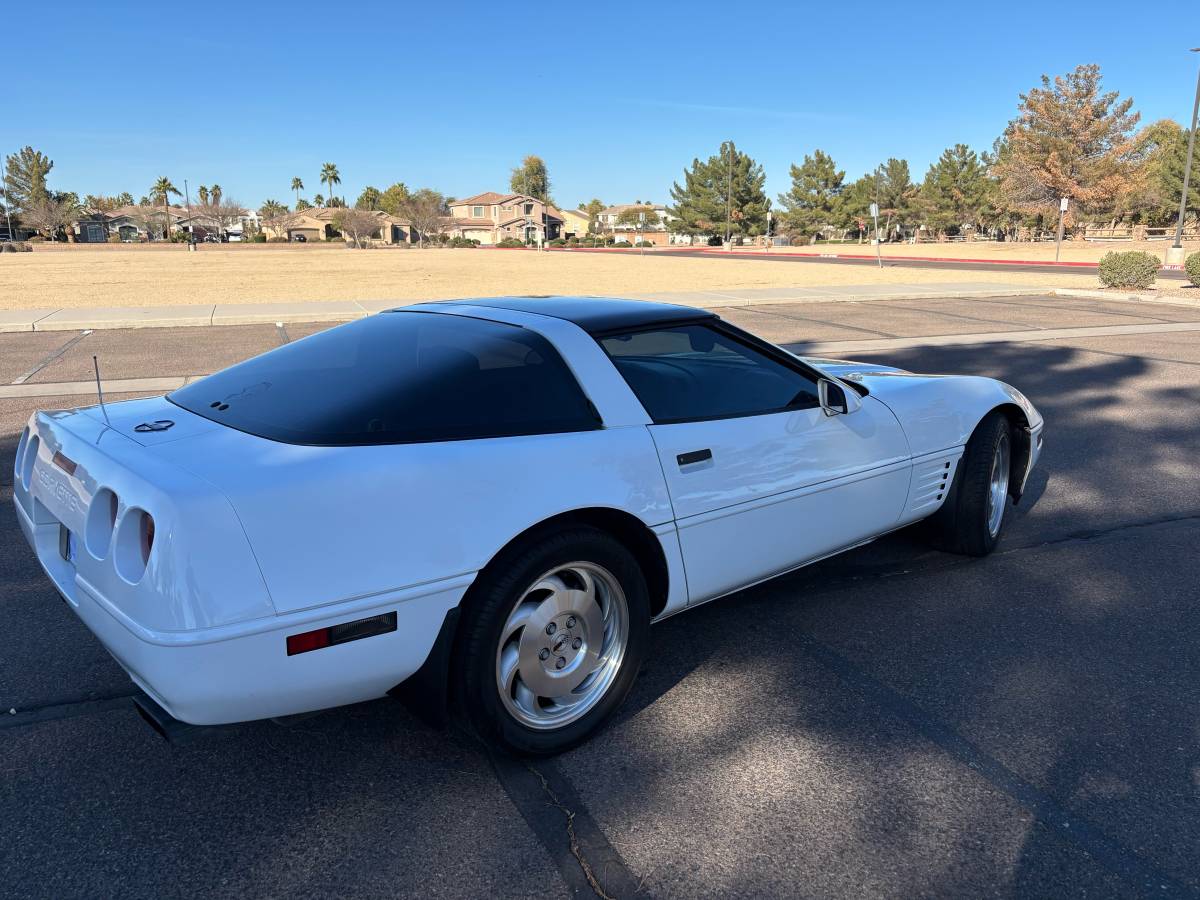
x,y
318,200
202,192
215,193
329,175
162,189
297,186
271,209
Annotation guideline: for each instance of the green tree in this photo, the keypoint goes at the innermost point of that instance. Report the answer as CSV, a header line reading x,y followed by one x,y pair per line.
x,y
202,194
1069,139
161,190
123,199
25,177
297,186
1163,147
330,176
893,189
955,191
318,200
272,209
301,203
214,194
854,206
369,199
592,208
393,199
531,179
814,202
727,186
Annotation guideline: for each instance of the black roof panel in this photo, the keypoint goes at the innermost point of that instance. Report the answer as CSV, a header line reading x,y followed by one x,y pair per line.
x,y
593,314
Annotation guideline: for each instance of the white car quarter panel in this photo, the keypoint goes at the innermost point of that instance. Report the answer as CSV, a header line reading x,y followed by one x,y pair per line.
x,y
332,523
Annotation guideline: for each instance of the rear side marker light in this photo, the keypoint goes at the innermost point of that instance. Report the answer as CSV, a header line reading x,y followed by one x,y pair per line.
x,y
340,634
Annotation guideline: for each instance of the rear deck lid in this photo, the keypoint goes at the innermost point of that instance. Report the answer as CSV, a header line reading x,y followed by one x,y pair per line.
x,y
151,421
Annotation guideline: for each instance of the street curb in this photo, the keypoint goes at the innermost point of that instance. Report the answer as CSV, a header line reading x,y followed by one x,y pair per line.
x,y
1136,296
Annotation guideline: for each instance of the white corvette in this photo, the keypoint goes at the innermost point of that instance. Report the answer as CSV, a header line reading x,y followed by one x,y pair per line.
x,y
482,505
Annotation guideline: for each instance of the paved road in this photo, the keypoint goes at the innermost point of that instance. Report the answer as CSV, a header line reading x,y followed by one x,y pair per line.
x,y
894,721
901,262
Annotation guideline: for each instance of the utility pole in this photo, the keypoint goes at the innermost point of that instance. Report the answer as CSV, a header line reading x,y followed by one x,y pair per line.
x,y
729,199
875,216
1175,252
187,198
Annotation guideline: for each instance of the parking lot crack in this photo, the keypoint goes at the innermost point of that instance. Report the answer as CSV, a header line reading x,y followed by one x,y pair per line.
x,y
571,837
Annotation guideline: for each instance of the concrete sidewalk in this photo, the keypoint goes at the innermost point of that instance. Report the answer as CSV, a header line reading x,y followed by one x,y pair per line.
x,y
344,310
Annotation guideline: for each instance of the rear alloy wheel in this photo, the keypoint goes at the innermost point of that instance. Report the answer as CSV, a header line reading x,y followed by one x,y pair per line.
x,y
973,516
552,638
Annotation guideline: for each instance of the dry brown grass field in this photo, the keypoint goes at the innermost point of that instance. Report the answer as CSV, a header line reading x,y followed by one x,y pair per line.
x,y
79,277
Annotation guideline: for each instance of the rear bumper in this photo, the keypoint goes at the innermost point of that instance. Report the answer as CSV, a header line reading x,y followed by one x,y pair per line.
x,y
241,672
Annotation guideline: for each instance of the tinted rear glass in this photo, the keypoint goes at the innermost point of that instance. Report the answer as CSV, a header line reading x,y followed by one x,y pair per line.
x,y
398,377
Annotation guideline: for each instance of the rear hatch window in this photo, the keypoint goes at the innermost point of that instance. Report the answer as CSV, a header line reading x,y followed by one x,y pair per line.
x,y
398,377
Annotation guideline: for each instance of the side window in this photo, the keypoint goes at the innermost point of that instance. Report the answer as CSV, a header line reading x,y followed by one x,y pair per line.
x,y
697,372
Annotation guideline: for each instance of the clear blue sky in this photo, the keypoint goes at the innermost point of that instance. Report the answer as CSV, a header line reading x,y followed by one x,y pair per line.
x,y
617,98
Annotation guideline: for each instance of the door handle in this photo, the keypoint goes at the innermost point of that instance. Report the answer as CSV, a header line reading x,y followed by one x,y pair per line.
x,y
686,459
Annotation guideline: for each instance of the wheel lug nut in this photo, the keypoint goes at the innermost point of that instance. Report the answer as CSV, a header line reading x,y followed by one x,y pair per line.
x,y
551,628
544,655
577,643
562,661
570,621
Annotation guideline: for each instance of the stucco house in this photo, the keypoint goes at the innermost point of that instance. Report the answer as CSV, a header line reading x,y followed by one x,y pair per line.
x,y
654,229
575,223
317,224
492,217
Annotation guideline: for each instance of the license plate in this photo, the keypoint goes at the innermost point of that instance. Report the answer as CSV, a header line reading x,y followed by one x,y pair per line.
x,y
66,543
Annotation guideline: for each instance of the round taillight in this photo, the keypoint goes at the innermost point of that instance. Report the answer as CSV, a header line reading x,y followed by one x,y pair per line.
x,y
147,536
101,520
133,543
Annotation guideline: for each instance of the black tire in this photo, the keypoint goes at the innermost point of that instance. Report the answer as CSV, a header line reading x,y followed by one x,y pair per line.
x,y
961,525
486,610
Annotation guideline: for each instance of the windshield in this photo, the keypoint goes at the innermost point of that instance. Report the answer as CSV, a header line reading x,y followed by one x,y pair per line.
x,y
398,377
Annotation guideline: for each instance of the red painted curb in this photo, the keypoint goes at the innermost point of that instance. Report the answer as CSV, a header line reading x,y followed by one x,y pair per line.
x,y
947,259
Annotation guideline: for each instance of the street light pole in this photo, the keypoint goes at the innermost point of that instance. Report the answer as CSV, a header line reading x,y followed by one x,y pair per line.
x,y
729,198
1175,253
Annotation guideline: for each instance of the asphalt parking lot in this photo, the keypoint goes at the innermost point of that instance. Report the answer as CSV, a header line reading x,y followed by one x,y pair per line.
x,y
891,722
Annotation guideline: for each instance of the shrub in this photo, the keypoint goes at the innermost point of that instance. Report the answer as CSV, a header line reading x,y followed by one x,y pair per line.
x,y
645,244
114,239
36,239
463,242
510,242
572,241
558,242
1133,269
258,238
1192,267
622,244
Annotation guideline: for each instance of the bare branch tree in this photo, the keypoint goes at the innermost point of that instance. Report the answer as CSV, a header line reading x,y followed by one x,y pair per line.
x,y
426,211
50,215
219,214
359,225
282,223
